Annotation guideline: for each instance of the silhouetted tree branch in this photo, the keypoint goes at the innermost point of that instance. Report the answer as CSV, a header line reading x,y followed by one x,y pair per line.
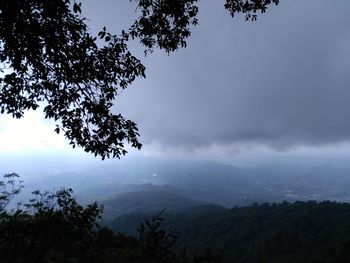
x,y
10,186
50,60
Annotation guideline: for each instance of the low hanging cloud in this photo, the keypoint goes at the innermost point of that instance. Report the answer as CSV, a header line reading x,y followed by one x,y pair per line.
x,y
281,82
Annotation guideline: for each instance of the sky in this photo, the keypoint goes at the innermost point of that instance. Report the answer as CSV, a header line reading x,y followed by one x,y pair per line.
x,y
278,85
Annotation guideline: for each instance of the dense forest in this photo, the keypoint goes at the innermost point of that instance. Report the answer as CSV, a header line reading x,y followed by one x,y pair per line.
x,y
54,227
285,232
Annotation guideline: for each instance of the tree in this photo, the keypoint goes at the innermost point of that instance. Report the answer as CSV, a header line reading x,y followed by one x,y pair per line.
x,y
54,227
51,60
10,186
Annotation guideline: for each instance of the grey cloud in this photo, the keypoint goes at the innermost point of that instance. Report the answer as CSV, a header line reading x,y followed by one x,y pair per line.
x,y
281,81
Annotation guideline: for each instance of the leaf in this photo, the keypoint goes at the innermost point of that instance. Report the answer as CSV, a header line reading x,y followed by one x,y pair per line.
x,y
77,8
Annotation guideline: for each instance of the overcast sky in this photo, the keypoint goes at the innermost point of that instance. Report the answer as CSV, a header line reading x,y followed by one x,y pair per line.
x,y
280,83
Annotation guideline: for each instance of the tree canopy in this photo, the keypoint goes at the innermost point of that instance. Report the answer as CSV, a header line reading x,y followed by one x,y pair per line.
x,y
51,60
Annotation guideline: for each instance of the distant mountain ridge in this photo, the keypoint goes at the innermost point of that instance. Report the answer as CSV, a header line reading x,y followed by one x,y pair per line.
x,y
199,182
148,199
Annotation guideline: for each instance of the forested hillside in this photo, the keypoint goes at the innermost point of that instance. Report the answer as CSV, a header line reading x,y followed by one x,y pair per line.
x,y
52,227
286,232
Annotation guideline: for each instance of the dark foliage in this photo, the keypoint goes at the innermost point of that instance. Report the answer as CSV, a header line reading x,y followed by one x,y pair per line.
x,y
248,7
54,228
51,60
10,186
164,24
286,232
50,57
51,225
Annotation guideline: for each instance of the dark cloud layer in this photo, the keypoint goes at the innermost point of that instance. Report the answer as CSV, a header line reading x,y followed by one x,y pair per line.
x,y
281,81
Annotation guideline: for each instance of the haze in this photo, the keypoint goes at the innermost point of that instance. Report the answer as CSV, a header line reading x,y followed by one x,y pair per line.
x,y
249,94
